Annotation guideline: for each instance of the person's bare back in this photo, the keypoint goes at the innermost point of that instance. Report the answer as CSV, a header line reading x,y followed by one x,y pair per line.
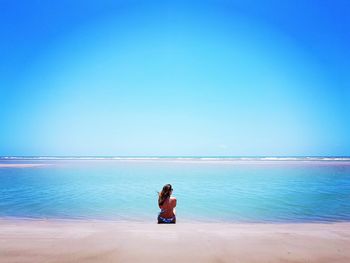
x,y
169,207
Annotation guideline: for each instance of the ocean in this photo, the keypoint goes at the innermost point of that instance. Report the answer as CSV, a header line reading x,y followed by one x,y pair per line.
x,y
207,189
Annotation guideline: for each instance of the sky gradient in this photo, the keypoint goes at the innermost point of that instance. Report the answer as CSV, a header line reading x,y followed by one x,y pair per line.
x,y
172,78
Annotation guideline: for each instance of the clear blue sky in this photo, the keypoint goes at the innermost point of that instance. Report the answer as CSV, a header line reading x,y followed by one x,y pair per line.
x,y
175,77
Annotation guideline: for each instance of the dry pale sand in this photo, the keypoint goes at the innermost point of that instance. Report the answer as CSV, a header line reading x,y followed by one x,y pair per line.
x,y
96,241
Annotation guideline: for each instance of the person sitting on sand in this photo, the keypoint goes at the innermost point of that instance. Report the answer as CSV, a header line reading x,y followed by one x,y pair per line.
x,y
167,204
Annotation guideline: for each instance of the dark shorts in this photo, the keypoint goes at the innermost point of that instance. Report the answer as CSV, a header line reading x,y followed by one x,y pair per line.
x,y
162,220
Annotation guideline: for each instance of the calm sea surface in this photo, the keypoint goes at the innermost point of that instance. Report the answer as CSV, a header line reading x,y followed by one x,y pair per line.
x,y
207,190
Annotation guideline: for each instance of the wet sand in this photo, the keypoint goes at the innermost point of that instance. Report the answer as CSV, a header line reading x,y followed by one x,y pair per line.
x,y
107,241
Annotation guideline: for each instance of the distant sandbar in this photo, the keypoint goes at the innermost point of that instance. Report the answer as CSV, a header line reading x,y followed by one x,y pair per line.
x,y
21,165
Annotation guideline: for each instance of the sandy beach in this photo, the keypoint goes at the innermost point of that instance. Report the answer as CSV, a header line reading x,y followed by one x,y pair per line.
x,y
106,241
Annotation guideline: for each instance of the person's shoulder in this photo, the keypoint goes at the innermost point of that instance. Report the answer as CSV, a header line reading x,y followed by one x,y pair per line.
x,y
172,198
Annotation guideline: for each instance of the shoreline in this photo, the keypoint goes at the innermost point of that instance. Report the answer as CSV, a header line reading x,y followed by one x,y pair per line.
x,y
107,241
153,220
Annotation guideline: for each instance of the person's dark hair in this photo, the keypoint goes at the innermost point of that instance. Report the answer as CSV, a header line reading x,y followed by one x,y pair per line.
x,y
164,194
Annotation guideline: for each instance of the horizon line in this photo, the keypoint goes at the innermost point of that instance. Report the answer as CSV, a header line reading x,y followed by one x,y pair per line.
x,y
171,156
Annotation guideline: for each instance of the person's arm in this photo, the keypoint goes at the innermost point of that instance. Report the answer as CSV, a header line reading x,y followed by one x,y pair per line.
x,y
174,201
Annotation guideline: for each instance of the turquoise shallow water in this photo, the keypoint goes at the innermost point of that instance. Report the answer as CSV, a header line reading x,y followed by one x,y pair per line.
x,y
220,191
